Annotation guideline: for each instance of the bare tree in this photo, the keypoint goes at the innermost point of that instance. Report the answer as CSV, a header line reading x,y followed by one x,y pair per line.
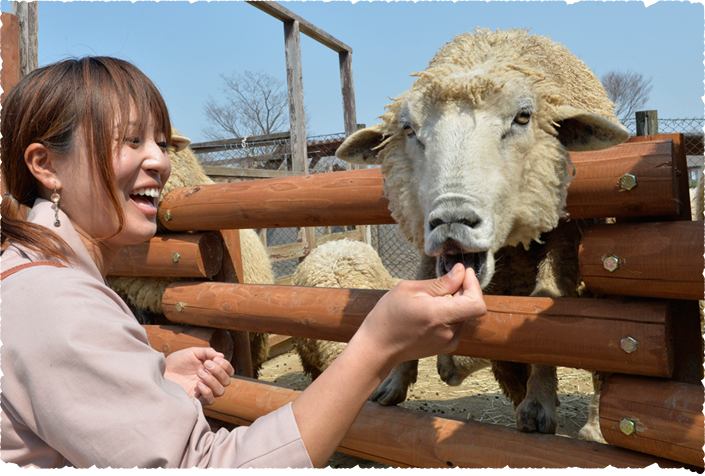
x,y
629,92
255,104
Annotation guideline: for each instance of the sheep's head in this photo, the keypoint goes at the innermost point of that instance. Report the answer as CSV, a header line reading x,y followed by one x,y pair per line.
x,y
474,162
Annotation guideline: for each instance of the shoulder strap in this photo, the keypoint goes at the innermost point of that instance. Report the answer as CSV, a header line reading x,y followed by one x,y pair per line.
x,y
11,271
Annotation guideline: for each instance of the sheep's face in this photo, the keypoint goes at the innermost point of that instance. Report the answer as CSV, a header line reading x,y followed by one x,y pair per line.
x,y
468,161
477,166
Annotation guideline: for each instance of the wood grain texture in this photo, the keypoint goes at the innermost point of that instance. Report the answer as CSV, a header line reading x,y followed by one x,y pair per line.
x,y
582,333
169,339
668,416
356,197
199,256
656,259
409,438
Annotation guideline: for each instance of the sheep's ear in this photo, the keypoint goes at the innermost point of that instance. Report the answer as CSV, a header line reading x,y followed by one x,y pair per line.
x,y
581,131
362,146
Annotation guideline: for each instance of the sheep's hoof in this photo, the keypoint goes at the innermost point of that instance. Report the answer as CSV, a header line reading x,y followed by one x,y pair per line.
x,y
591,432
393,390
389,393
531,415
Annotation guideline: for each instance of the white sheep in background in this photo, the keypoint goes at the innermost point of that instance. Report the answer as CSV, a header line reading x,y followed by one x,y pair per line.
x,y
476,162
346,264
336,264
144,294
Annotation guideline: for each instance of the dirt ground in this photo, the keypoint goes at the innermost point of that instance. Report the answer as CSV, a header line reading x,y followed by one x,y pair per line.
x,y
478,398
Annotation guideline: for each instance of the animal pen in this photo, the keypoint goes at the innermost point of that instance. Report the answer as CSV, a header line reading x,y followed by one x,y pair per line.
x,y
647,332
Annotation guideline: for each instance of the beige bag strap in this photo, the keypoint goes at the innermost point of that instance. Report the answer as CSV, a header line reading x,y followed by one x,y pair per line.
x,y
11,271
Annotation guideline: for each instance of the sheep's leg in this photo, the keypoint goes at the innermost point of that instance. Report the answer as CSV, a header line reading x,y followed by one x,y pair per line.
x,y
512,378
393,389
558,273
453,369
591,431
537,412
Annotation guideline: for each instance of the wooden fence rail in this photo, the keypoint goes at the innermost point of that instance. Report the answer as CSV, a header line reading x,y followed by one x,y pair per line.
x,y
356,197
568,332
408,438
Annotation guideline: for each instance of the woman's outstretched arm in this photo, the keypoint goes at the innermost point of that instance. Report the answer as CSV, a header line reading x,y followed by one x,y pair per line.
x,y
415,319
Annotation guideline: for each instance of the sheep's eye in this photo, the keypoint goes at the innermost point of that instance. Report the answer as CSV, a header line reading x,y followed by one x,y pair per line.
x,y
409,131
522,118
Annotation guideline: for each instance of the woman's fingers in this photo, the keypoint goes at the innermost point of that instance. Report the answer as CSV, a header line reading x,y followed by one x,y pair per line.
x,y
207,397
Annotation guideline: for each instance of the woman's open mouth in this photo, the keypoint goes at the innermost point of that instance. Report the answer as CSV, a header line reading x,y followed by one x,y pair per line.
x,y
146,199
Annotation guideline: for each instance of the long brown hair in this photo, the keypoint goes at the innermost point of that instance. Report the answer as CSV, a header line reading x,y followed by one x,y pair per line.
x,y
48,107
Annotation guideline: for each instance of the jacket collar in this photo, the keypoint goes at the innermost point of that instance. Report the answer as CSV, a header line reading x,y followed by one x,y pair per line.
x,y
43,214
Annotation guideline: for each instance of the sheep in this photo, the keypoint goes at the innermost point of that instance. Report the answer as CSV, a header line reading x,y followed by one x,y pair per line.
x,y
476,162
144,294
336,264
352,265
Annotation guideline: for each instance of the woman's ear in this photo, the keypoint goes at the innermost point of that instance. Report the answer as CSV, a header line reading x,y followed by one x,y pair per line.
x,y
40,163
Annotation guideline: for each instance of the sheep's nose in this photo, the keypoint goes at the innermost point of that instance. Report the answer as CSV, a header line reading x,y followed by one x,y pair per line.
x,y
470,222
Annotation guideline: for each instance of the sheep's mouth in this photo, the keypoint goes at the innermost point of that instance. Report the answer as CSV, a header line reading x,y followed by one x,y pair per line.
x,y
477,261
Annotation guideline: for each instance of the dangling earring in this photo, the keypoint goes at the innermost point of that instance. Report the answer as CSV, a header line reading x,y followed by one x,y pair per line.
x,y
55,197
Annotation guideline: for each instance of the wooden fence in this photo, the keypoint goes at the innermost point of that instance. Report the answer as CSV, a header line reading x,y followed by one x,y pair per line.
x,y
649,333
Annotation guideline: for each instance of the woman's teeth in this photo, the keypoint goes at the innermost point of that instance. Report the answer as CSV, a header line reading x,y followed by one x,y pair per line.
x,y
148,192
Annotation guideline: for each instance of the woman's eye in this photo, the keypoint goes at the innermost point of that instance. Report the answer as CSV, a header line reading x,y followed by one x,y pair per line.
x,y
132,140
522,118
162,145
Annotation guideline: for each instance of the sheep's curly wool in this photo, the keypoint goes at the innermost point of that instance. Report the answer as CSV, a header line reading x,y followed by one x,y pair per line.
x,y
145,293
337,264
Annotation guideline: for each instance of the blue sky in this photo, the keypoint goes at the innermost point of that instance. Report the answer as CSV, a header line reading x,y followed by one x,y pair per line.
x,y
184,47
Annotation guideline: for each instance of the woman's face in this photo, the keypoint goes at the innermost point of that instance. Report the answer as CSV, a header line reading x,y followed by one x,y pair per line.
x,y
141,166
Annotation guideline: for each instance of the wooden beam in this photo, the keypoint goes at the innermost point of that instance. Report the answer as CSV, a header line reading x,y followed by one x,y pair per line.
x,y
348,90
569,332
655,259
646,123
658,417
169,339
9,62
191,255
410,438
308,29
335,199
357,197
239,141
595,191
232,272
287,252
297,113
28,28
678,166
213,171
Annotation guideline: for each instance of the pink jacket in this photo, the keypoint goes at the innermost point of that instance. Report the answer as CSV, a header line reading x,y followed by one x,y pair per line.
x,y
81,386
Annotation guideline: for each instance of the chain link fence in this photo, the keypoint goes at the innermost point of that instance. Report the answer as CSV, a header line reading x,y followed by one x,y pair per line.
x,y
273,153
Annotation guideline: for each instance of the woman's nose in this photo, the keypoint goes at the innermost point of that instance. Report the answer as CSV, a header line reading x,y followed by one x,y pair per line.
x,y
157,159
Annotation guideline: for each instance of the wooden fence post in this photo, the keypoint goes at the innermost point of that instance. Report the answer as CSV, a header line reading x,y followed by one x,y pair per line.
x,y
646,123
27,14
9,61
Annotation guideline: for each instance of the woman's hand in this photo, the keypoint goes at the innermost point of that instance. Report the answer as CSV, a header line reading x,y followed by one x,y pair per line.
x,y
201,371
421,318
